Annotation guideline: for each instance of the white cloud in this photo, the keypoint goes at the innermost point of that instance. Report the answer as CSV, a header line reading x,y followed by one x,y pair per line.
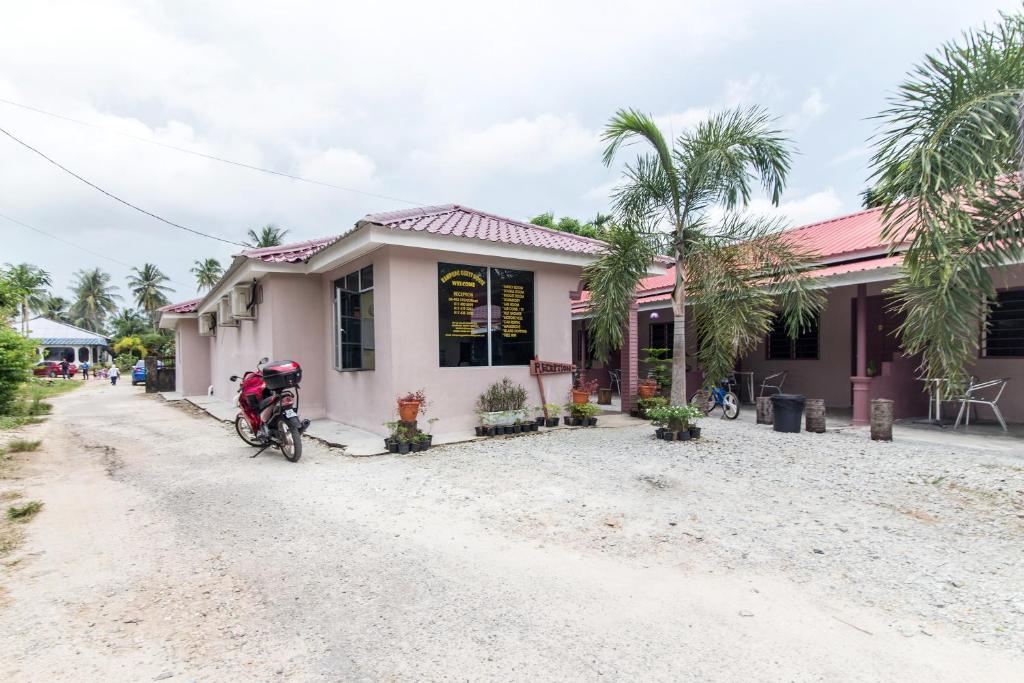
x,y
811,108
852,154
811,208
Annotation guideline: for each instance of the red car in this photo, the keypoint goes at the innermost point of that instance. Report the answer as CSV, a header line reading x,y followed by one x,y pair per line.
x,y
51,368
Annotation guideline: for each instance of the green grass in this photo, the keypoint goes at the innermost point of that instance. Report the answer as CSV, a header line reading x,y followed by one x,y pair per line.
x,y
30,403
23,513
23,445
15,421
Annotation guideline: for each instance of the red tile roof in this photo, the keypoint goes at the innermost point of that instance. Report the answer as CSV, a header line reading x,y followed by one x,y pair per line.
x,y
296,252
462,221
182,307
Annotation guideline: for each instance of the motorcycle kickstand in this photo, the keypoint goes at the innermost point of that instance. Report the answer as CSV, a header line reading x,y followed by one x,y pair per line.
x,y
261,450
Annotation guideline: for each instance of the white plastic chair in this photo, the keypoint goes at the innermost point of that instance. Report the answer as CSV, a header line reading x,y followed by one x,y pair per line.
x,y
973,397
773,381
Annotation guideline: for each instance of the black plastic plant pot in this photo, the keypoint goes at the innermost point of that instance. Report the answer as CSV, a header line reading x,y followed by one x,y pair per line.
x,y
393,447
684,435
498,430
540,421
592,422
669,436
659,432
430,440
535,426
551,422
403,448
694,432
479,430
490,431
517,428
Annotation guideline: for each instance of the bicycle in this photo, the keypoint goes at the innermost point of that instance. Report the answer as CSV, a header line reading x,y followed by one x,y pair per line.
x,y
719,396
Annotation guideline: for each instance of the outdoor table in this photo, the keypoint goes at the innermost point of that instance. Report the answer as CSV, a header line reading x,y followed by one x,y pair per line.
x,y
936,392
749,381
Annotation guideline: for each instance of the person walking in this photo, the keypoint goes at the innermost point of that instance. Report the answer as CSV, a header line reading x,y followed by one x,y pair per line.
x,y
64,367
113,373
84,367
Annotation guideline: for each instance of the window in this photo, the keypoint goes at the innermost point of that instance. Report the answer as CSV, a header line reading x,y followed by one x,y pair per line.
x,y
1004,337
485,316
780,346
661,337
353,321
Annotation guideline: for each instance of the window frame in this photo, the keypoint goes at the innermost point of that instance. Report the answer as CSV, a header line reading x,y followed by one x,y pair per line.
x,y
983,351
490,311
793,342
669,336
338,287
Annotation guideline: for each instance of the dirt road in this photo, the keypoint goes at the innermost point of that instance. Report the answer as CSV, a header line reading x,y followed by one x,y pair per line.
x,y
165,553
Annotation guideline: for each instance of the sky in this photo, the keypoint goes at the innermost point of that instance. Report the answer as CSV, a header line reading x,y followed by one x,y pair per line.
x,y
495,106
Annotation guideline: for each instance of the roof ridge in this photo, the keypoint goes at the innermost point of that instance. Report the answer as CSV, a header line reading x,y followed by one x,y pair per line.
x,y
74,327
290,246
527,224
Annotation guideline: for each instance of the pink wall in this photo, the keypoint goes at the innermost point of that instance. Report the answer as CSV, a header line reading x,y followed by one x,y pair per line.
x,y
233,350
406,326
298,334
192,359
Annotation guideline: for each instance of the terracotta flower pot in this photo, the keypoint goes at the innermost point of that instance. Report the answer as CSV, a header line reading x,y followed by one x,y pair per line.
x,y
647,390
579,396
407,410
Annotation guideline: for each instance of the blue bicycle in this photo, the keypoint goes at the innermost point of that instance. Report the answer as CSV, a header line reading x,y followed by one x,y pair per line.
x,y
719,396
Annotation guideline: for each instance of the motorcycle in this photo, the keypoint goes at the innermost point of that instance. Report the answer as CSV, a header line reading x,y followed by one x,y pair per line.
x,y
269,403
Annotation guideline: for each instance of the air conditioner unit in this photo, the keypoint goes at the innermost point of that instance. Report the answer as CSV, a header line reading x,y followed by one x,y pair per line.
x,y
207,325
241,298
224,318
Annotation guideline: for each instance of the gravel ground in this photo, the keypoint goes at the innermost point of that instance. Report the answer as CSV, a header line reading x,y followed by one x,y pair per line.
x,y
164,553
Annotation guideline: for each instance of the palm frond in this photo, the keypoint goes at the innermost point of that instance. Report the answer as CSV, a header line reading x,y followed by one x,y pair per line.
x,y
628,124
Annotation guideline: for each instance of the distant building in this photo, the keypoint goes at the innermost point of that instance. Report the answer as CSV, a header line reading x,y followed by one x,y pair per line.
x,y
55,341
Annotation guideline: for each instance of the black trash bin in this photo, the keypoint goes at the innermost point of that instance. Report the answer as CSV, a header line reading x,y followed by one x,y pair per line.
x,y
789,412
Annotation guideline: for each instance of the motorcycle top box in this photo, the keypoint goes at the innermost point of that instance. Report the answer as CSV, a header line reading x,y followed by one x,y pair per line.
x,y
280,374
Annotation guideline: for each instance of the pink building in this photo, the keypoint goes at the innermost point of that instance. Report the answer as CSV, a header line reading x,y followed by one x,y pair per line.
x,y
444,298
854,267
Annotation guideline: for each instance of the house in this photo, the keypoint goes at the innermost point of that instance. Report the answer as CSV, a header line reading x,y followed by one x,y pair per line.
x,y
444,298
57,341
850,355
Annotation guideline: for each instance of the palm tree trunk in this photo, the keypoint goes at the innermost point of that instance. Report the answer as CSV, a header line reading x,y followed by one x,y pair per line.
x,y
678,396
24,317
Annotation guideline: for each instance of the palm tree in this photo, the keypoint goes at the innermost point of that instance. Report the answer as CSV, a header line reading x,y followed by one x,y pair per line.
x,y
94,299
147,284
28,285
207,272
735,266
54,308
948,146
269,236
127,323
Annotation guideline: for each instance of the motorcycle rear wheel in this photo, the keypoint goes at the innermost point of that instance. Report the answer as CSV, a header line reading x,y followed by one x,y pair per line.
x,y
245,432
291,440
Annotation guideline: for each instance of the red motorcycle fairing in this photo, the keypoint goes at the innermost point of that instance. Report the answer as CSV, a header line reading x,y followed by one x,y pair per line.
x,y
254,390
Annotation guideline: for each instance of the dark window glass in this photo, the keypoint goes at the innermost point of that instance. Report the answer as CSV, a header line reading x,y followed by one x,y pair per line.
x,y
462,315
353,331
661,337
781,347
1005,335
512,317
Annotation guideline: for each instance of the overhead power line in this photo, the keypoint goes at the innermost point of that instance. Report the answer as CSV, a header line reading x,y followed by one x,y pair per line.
x,y
115,197
78,247
211,157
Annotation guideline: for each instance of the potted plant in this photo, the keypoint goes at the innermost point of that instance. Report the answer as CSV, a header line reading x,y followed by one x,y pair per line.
x,y
583,414
409,404
675,421
391,440
582,389
644,405
502,405
659,366
552,410
647,388
430,432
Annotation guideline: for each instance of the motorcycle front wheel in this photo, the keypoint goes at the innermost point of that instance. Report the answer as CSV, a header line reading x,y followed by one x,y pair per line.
x,y
245,432
290,439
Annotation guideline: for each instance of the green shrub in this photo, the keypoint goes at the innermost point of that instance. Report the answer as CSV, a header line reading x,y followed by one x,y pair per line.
x,y
23,445
124,361
675,417
502,396
23,513
580,410
16,357
646,404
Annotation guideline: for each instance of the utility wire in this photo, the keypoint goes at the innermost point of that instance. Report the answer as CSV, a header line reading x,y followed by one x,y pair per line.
x,y
78,247
115,197
211,157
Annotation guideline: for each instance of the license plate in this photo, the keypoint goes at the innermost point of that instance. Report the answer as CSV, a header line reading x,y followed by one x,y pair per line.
x,y
290,413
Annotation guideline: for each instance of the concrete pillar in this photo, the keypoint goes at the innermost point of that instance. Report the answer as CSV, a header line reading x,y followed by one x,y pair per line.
x,y
630,358
861,382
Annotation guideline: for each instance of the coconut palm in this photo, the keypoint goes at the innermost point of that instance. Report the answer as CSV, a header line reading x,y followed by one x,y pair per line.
x,y
54,308
147,285
28,285
207,272
268,236
943,168
128,323
740,269
95,299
